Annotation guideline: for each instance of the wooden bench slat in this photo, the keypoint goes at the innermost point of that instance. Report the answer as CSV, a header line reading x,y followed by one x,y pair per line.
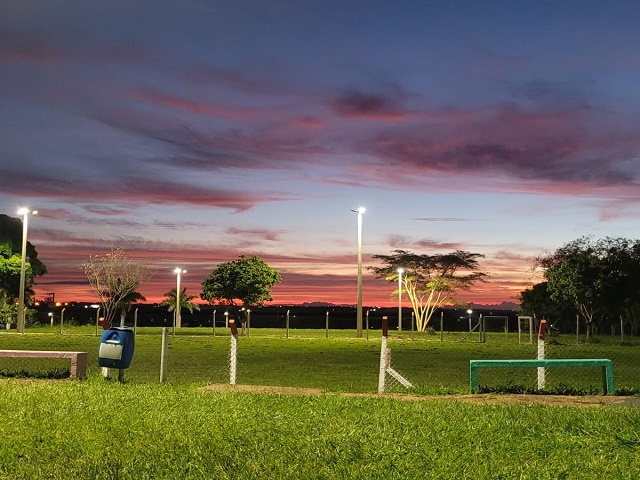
x,y
78,359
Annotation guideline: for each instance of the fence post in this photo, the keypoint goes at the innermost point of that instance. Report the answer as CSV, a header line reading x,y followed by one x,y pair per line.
x,y
287,322
163,354
621,329
62,319
233,352
383,355
326,326
441,324
135,322
413,322
577,329
367,324
541,353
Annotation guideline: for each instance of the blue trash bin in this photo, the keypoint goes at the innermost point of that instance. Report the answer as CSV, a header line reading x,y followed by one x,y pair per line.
x,y
116,348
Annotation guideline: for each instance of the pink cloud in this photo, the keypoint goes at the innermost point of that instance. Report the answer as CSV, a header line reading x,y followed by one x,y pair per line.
x,y
198,107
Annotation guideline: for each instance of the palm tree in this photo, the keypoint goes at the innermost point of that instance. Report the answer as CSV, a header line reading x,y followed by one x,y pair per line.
x,y
186,301
124,304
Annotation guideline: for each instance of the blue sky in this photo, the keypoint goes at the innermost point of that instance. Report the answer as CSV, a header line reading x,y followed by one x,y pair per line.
x,y
191,132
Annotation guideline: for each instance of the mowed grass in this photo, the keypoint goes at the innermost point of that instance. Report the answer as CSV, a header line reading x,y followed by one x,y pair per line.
x,y
105,430
142,429
340,363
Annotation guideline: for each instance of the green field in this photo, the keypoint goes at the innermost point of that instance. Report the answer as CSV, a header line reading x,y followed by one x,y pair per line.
x,y
143,429
340,363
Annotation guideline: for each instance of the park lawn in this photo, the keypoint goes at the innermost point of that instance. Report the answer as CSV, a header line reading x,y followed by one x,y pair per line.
x,y
103,430
340,363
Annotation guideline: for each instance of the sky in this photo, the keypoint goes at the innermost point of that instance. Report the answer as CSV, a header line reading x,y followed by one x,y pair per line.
x,y
189,133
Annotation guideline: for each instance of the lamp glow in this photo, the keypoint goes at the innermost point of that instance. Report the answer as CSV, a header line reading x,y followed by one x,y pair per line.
x,y
25,212
178,271
400,272
360,211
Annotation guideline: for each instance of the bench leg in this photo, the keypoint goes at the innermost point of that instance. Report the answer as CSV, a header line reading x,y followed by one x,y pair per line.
x,y
79,366
607,380
473,378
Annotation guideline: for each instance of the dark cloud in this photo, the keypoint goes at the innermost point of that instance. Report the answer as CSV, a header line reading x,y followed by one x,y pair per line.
x,y
28,47
371,106
509,141
443,219
140,190
406,243
256,233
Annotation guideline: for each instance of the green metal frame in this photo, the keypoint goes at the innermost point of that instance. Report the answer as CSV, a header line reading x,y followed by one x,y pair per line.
x,y
605,364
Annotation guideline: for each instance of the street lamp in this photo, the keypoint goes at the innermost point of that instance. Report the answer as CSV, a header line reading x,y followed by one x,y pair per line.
x,y
178,271
469,312
25,213
400,272
360,211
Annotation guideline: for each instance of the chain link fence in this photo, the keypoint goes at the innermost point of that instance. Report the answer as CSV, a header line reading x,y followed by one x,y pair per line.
x,y
317,347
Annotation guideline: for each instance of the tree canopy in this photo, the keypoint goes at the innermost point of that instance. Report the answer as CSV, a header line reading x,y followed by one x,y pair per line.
x,y
247,279
186,301
601,278
11,259
430,280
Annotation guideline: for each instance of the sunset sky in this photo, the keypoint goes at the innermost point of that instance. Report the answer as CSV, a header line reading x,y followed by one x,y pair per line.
x,y
190,132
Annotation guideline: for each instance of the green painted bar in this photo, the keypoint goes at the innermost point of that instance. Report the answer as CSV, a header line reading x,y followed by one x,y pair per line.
x,y
606,364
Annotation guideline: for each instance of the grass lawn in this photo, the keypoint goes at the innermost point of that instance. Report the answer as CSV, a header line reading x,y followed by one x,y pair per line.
x,y
143,429
340,363
105,430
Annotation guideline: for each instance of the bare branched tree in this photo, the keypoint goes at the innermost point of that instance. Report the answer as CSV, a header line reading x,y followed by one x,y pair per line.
x,y
430,280
114,277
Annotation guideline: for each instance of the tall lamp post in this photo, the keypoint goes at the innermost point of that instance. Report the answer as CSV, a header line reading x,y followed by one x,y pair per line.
x,y
178,271
400,272
25,221
360,211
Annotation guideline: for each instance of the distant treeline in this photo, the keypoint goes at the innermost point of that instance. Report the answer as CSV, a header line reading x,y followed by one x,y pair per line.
x,y
340,317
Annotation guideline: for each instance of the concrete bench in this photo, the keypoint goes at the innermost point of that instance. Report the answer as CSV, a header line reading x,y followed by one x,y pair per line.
x,y
605,364
78,359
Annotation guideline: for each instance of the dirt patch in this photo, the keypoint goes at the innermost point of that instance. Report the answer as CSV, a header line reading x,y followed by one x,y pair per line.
x,y
263,389
478,399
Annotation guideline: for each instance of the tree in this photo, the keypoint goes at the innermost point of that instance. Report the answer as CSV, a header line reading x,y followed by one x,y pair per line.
x,y
430,280
186,301
8,309
601,278
124,304
248,280
11,259
537,301
114,277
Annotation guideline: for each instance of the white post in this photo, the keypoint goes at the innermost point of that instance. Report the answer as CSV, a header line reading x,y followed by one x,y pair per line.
x,y
62,319
541,370
163,354
233,352
359,285
326,325
23,263
383,355
367,323
400,272
519,330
